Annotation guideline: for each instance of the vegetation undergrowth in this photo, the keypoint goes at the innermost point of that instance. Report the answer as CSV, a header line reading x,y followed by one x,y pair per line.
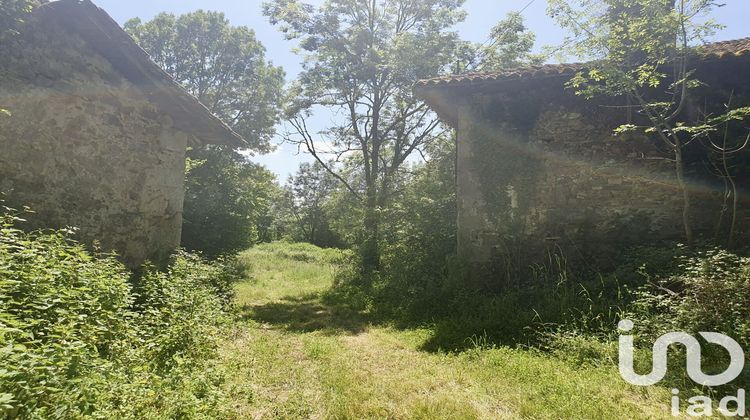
x,y
306,350
77,339
571,315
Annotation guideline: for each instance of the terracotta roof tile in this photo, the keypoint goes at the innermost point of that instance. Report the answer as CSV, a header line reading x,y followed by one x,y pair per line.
x,y
737,47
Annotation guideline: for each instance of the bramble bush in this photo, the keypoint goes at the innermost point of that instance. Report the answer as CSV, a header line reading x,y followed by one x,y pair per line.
x,y
77,339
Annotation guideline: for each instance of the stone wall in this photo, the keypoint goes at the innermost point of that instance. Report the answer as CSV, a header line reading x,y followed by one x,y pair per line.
x,y
541,172
84,148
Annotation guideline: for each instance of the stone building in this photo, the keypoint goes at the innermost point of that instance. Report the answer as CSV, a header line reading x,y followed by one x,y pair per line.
x,y
97,135
539,169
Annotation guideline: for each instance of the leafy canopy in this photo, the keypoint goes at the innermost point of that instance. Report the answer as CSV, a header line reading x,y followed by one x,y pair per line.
x,y
361,60
644,50
305,197
227,202
12,13
223,66
633,45
509,45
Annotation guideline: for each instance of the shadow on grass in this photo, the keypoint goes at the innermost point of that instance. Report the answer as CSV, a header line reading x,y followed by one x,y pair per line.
x,y
481,323
307,313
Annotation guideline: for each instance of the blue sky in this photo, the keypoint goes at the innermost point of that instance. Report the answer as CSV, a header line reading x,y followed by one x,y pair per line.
x,y
482,15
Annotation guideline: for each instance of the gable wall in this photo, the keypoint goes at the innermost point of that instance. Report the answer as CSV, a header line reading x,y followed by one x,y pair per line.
x,y
540,173
84,148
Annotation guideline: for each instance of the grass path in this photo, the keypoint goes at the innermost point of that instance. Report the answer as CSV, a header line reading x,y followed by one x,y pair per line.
x,y
293,356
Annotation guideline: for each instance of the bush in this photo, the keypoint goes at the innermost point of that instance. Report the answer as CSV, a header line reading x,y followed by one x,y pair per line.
x,y
180,311
227,202
63,313
76,339
709,291
679,290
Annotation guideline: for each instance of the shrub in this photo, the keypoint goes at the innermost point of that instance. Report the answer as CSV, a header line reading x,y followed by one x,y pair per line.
x,y
181,311
76,339
227,202
679,290
709,291
62,315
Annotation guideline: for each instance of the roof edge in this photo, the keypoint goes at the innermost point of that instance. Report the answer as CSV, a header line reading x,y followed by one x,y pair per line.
x,y
111,41
711,51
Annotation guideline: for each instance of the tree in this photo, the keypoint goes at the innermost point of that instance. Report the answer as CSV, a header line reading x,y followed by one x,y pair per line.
x,y
641,50
307,192
422,222
227,203
726,138
225,68
509,45
361,59
13,13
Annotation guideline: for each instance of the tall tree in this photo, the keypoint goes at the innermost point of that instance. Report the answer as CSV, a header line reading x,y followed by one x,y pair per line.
x,y
223,66
641,50
361,59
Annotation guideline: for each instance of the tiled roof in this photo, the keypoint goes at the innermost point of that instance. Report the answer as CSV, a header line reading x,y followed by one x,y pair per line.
x,y
737,47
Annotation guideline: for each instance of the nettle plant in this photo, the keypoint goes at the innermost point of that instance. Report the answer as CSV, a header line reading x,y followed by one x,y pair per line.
x,y
77,339
645,51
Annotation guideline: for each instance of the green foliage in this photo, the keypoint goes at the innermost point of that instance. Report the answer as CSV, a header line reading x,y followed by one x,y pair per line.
x,y
509,45
13,13
227,202
180,310
633,44
333,360
361,62
227,197
301,212
63,313
708,291
422,281
678,290
77,340
644,50
223,66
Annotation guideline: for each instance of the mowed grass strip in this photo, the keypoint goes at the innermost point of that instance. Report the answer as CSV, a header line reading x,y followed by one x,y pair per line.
x,y
293,356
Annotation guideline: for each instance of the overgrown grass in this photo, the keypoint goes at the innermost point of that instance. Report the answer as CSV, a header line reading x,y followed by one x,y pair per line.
x,y
301,353
282,269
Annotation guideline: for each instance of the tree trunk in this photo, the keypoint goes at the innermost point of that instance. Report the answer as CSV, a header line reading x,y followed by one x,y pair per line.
x,y
370,246
686,202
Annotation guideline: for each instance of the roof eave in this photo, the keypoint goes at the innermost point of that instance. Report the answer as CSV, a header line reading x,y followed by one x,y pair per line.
x,y
109,40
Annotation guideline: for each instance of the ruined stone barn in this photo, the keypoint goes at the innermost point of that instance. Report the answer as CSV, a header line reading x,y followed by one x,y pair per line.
x,y
97,135
539,167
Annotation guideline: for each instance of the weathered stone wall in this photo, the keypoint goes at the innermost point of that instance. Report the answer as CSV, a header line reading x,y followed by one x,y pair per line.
x,y
540,171
84,148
